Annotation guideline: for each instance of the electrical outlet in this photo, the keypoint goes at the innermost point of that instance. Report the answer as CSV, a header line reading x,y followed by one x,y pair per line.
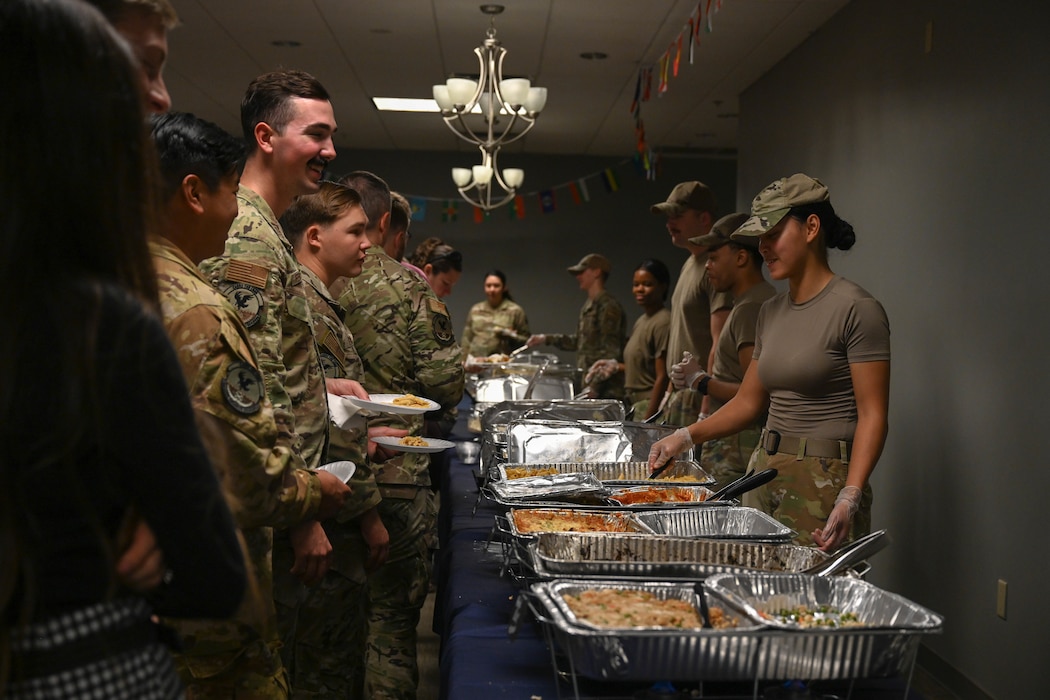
x,y
1000,600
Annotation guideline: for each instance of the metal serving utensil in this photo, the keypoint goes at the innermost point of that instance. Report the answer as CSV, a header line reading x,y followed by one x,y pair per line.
x,y
852,553
744,484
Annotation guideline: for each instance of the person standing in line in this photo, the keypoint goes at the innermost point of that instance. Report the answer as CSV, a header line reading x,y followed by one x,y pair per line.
x,y
442,265
404,336
327,231
733,267
644,363
96,426
201,166
698,312
602,328
821,365
288,125
496,325
144,24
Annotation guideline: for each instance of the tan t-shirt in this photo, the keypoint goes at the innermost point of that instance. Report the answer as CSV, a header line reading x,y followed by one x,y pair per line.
x,y
691,304
804,352
739,331
648,341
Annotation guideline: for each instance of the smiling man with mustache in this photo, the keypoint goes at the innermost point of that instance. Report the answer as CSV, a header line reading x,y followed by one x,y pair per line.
x,y
288,124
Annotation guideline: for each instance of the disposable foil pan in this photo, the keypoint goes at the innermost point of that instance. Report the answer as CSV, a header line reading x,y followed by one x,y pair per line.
x,y
648,653
609,521
534,440
735,522
884,647
611,555
683,471
514,386
551,487
503,412
654,495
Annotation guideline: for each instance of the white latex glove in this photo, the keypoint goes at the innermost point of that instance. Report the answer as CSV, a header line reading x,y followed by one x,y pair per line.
x,y
836,529
600,371
685,374
538,339
670,447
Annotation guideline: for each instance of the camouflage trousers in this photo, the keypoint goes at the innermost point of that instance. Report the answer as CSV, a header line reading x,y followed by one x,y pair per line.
x,y
804,493
256,674
726,458
328,649
683,408
396,593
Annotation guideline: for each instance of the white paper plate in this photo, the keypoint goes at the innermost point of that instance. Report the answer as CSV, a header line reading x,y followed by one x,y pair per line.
x,y
344,470
394,443
383,404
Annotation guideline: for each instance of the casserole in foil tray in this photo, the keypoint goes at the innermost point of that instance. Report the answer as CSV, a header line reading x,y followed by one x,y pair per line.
x,y
646,653
612,555
682,472
734,522
550,487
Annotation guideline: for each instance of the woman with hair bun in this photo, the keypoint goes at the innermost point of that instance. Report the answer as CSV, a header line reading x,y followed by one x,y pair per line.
x,y
821,364
496,325
441,263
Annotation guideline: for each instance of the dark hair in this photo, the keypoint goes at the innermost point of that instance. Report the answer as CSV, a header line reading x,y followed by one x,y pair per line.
x,y
375,194
266,101
503,279
753,254
439,255
322,207
400,212
114,9
838,233
658,270
69,236
188,145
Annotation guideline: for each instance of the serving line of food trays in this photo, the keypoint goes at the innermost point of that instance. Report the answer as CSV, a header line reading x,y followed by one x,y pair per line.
x,y
584,490
685,472
883,644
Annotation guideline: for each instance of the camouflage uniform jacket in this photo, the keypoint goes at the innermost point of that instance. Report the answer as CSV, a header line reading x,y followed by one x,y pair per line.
x,y
236,422
480,337
340,360
601,334
260,276
404,336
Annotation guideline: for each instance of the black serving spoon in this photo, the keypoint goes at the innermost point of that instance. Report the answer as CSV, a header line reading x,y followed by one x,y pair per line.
x,y
746,483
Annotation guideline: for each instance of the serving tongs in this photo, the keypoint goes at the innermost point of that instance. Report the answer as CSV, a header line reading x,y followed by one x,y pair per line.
x,y
743,484
853,553
517,351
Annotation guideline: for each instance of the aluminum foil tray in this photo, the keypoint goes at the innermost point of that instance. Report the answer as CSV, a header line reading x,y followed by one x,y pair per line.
x,y
514,385
612,521
683,472
661,558
535,440
735,522
648,653
885,647
546,488
503,412
674,495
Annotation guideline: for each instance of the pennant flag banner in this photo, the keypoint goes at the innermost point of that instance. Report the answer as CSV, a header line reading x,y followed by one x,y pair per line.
x,y
574,192
479,215
418,206
450,212
609,178
519,207
584,194
547,204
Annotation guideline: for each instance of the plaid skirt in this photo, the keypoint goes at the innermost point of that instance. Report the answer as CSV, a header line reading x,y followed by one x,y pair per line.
x,y
104,651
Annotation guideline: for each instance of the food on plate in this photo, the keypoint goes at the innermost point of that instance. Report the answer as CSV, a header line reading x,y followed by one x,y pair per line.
x,y
411,401
618,607
538,520
523,472
821,616
413,441
666,494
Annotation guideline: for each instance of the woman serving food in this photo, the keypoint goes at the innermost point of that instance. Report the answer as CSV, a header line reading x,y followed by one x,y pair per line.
x,y
821,364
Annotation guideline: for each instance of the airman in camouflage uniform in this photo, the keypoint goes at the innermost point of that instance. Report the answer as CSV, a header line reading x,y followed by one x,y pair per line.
x,y
602,329
404,336
491,330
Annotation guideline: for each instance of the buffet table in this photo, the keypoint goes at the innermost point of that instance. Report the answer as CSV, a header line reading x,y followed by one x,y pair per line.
x,y
476,600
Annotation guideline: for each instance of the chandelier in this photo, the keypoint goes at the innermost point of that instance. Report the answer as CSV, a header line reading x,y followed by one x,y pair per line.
x,y
515,99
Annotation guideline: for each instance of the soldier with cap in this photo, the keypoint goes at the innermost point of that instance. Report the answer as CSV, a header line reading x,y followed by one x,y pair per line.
x,y
821,364
698,311
733,267
602,329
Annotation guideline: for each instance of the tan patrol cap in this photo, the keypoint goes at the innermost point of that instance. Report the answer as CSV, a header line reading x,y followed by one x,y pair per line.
x,y
721,231
686,195
591,261
774,202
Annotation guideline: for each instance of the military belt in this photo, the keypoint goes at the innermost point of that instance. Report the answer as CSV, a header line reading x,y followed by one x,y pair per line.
x,y
774,442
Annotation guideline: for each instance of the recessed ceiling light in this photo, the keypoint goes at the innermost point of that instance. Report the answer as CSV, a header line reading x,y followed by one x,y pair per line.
x,y
412,104
287,43
594,56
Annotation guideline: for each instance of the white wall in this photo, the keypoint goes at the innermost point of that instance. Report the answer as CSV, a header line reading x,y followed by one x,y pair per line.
x,y
939,160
